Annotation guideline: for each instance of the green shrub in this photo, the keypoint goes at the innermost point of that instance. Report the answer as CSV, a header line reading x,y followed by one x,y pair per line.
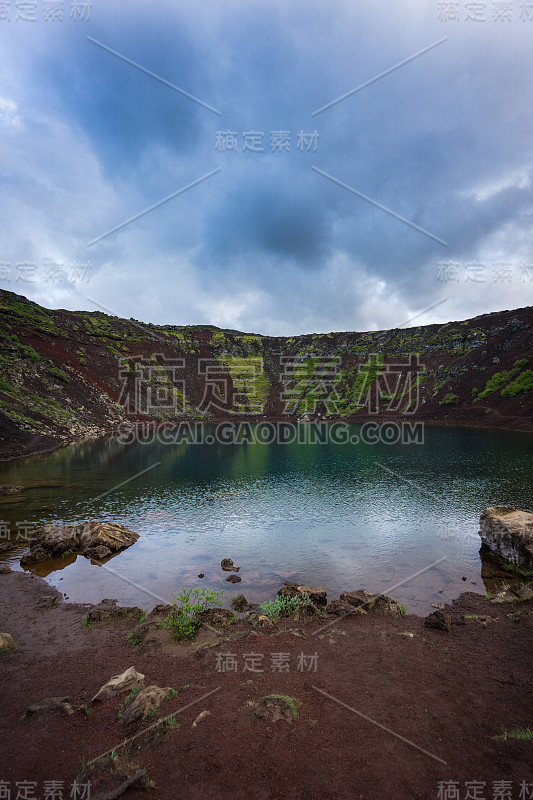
x,y
524,383
181,618
5,386
450,399
59,374
498,380
31,354
285,606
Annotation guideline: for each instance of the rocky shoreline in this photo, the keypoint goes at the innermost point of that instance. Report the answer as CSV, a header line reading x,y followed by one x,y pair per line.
x,y
277,728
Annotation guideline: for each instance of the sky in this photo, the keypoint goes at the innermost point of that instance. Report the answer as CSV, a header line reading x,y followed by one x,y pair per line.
x,y
325,166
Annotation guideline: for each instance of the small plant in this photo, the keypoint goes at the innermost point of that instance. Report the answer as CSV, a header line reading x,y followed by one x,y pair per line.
x,y
170,722
489,595
134,638
5,386
150,714
292,702
68,553
127,700
12,649
60,374
142,618
285,606
181,618
403,610
31,354
114,753
521,733
450,399
86,623
171,695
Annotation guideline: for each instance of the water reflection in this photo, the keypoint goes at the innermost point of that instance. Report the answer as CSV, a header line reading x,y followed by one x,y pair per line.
x,y
326,515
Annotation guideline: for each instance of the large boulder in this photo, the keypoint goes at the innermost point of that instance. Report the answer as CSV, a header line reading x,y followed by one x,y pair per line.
x,y
508,532
105,536
317,596
93,539
373,603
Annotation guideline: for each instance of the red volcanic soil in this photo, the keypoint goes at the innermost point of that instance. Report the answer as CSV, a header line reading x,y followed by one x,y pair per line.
x,y
385,715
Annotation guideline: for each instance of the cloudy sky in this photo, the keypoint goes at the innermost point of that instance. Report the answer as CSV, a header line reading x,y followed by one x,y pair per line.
x,y
410,197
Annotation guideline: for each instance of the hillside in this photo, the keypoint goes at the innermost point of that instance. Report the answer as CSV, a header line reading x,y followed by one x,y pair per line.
x,y
70,375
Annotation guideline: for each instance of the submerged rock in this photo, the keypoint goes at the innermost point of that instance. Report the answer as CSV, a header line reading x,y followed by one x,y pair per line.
x,y
10,490
228,565
508,532
233,579
373,603
97,540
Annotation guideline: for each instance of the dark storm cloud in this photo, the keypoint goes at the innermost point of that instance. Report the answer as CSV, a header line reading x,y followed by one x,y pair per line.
x,y
268,244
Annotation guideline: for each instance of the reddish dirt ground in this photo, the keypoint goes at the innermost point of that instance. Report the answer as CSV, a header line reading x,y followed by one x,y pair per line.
x,y
448,693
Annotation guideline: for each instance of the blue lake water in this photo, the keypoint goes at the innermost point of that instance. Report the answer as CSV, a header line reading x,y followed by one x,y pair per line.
x,y
336,516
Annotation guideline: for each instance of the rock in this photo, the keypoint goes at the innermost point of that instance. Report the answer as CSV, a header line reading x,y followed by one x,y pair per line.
x,y
125,682
5,569
34,555
341,607
5,546
109,777
105,534
47,601
6,640
277,708
504,596
201,575
94,539
100,552
492,567
264,622
523,592
290,589
373,603
108,611
145,703
216,616
10,490
240,604
161,609
508,532
228,565
233,579
200,718
62,704
439,620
